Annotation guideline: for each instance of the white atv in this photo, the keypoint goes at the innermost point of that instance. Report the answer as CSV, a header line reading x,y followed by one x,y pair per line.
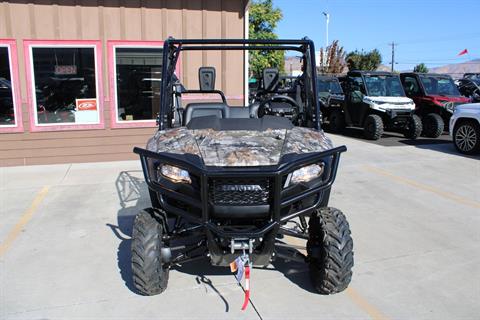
x,y
376,101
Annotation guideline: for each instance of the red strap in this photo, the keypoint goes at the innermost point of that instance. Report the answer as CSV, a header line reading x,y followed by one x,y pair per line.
x,y
247,287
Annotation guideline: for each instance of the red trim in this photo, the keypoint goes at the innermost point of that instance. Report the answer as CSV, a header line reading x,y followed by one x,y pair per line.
x,y
27,44
111,44
17,97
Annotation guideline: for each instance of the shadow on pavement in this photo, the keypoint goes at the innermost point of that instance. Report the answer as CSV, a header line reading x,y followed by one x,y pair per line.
x,y
133,196
296,272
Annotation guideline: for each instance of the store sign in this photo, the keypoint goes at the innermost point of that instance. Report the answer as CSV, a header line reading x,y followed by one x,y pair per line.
x,y
65,70
86,104
86,111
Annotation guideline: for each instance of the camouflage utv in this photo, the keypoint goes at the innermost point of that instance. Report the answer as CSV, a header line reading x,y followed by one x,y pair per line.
x,y
237,182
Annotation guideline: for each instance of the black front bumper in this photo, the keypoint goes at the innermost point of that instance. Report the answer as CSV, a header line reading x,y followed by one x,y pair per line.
x,y
194,204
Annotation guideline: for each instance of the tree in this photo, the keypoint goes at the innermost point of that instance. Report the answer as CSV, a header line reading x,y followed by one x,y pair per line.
x,y
364,60
263,20
421,67
334,59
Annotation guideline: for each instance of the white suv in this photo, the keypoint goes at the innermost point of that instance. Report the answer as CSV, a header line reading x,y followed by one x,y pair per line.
x,y
465,128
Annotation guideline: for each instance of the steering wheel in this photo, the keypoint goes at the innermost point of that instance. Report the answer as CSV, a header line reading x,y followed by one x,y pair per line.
x,y
266,107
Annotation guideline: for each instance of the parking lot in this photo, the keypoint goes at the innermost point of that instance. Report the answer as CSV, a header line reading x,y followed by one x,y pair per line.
x,y
413,210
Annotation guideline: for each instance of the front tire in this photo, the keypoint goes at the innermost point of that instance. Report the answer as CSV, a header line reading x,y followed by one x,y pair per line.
x,y
433,125
330,251
466,137
150,274
373,128
414,128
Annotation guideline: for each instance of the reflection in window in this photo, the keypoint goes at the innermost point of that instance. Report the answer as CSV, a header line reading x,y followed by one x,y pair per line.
x,y
65,85
7,108
138,72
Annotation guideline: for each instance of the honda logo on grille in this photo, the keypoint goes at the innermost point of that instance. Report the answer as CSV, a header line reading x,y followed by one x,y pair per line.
x,y
240,187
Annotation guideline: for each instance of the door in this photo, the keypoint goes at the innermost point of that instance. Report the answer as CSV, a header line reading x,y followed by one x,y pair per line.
x,y
355,93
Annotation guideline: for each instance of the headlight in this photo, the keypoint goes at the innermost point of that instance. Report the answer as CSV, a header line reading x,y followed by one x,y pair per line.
x,y
450,106
305,174
175,174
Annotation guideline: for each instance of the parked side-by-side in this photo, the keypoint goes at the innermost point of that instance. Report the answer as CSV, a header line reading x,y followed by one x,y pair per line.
x,y
435,96
374,101
412,103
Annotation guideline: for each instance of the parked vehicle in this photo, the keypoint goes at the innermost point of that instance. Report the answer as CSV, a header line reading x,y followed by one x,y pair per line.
x,y
465,128
435,96
376,101
471,75
470,88
331,99
226,183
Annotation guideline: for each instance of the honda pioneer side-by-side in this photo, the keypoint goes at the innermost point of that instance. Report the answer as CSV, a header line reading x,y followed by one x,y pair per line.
x,y
232,184
375,101
435,96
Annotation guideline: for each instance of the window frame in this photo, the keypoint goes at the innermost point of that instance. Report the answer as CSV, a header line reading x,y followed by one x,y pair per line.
x,y
11,46
112,45
28,45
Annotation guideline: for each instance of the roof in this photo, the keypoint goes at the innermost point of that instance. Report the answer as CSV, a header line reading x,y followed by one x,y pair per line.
x,y
377,73
426,73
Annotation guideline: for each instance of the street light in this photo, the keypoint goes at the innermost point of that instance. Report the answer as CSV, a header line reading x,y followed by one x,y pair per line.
x,y
327,20
327,17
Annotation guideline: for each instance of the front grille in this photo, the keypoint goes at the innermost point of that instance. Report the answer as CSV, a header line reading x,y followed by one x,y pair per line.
x,y
239,192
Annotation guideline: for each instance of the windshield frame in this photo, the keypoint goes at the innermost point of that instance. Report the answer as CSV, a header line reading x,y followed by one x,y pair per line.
x,y
436,77
172,49
367,75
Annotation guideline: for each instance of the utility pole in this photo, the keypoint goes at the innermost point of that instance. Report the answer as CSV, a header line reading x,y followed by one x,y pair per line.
x,y
393,44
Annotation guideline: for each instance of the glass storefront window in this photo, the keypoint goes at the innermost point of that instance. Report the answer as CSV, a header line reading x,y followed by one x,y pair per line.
x,y
137,83
7,104
64,84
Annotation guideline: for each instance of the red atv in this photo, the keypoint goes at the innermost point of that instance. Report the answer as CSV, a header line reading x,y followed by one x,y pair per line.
x,y
435,96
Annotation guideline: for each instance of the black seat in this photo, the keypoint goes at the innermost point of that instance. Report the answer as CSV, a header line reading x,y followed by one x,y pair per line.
x,y
195,110
259,124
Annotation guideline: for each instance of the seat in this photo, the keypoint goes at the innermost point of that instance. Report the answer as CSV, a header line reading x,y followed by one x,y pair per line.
x,y
195,110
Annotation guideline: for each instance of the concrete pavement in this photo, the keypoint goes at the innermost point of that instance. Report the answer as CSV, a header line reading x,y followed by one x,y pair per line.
x,y
413,211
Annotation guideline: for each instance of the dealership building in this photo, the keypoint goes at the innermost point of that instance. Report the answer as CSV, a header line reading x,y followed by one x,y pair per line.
x,y
79,79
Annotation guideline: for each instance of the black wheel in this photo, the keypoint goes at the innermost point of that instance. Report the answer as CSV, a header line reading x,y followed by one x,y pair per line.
x,y
373,128
414,127
150,274
336,121
433,125
466,137
330,251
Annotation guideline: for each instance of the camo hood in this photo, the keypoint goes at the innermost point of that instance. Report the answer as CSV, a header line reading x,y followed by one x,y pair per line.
x,y
240,148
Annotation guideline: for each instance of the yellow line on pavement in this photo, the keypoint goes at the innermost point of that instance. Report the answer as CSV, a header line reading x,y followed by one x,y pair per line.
x,y
373,312
424,187
24,219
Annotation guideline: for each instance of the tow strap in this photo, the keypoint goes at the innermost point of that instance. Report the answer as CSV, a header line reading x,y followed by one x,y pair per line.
x,y
239,267
247,287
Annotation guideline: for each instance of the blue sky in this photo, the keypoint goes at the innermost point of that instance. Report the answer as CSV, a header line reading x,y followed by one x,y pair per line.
x,y
428,31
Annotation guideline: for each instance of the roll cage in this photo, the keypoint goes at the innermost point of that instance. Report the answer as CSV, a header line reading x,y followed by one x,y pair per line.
x,y
173,47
